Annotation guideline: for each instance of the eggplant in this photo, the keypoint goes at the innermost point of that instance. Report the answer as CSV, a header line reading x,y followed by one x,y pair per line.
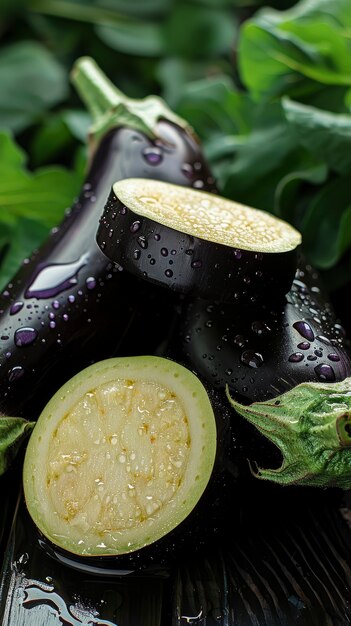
x,y
67,306
260,352
193,242
124,458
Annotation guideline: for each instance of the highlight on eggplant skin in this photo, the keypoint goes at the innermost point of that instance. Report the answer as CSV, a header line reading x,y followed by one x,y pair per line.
x,y
261,352
165,250
57,309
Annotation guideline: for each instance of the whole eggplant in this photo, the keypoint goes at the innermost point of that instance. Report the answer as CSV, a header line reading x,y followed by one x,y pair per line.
x,y
261,352
67,306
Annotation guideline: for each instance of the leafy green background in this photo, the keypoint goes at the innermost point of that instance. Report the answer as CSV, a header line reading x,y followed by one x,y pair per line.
x,y
267,88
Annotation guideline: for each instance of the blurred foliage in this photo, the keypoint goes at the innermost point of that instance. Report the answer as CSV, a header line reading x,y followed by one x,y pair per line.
x,y
267,88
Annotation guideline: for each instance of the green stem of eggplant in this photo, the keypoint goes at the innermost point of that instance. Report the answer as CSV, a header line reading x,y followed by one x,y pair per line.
x,y
110,108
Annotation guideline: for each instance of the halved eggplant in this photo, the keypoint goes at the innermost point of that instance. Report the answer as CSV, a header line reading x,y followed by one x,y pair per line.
x,y
195,242
120,456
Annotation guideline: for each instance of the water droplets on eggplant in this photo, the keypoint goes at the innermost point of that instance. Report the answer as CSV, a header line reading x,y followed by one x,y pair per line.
x,y
25,336
304,345
296,357
187,170
252,359
135,226
142,242
15,373
153,155
16,307
260,328
325,372
305,330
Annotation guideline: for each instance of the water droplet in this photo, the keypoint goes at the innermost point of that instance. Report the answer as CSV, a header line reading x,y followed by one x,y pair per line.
x,y
56,304
16,307
305,330
65,317
334,357
311,357
189,252
318,352
51,315
325,372
135,226
157,237
52,324
142,242
15,373
153,155
187,170
25,336
198,184
71,299
251,358
304,345
136,254
324,339
237,254
164,252
90,283
260,328
169,273
152,261
229,372
296,357
239,340
196,264
209,323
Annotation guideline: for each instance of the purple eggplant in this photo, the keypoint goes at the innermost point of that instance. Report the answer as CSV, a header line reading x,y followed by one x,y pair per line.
x,y
197,243
67,306
261,352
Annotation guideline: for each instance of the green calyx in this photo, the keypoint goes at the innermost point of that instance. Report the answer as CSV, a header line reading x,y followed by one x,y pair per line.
x,y
13,431
110,108
311,426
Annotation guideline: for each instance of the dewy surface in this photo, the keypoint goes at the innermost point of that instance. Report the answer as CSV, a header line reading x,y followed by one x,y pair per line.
x,y
118,457
207,216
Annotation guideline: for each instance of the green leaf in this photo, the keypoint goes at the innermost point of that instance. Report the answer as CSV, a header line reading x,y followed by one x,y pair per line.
x,y
311,425
297,50
30,203
32,81
203,33
289,194
213,106
13,431
78,122
260,157
137,38
326,135
327,223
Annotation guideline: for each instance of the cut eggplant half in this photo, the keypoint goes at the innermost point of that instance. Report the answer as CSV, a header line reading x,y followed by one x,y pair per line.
x,y
197,242
120,456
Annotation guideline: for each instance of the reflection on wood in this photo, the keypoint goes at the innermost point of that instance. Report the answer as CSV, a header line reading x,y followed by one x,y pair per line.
x,y
283,558
287,563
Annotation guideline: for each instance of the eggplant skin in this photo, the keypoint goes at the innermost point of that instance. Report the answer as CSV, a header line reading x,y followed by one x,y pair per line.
x,y
188,264
261,352
67,306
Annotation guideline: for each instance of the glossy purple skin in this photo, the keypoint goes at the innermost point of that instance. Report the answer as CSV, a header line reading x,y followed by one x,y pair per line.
x,y
189,264
262,352
76,306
